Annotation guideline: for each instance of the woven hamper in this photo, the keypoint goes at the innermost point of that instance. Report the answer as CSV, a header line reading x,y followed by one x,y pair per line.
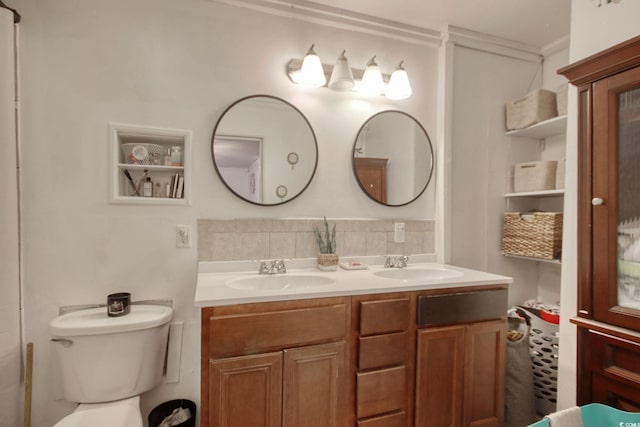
x,y
533,234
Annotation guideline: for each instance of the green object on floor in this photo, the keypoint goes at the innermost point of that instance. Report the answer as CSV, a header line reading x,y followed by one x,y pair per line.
x,y
599,415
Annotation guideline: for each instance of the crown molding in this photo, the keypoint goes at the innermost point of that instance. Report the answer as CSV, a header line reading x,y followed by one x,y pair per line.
x,y
491,44
341,18
556,46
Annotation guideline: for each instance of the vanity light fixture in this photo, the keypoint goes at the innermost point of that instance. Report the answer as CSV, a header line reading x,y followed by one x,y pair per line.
x,y
341,76
311,72
372,83
399,87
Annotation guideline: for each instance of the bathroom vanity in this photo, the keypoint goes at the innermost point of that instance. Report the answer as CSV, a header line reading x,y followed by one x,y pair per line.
x,y
424,345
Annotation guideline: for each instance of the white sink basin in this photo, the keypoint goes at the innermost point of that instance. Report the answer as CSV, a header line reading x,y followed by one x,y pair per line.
x,y
279,282
418,274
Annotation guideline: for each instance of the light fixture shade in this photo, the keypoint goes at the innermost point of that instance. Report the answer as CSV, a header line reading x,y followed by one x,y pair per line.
x,y
372,83
341,77
399,87
311,72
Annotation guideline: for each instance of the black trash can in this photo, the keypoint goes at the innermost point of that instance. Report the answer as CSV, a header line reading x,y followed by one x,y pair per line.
x,y
162,411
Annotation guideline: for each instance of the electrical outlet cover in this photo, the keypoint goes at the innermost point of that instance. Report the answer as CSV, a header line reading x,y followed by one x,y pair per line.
x,y
398,232
183,236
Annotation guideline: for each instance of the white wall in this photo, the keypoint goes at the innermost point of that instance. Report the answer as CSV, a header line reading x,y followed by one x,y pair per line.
x,y
10,391
483,83
592,29
178,65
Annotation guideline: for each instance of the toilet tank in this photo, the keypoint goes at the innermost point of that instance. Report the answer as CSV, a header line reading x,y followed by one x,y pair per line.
x,y
104,358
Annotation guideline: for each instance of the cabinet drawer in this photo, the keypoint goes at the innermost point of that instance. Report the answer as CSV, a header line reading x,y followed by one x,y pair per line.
x,y
464,307
252,333
616,359
393,420
385,316
379,351
381,391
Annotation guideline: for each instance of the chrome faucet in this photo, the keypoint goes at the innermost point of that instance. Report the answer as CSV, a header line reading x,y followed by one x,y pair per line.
x,y
275,266
402,261
396,262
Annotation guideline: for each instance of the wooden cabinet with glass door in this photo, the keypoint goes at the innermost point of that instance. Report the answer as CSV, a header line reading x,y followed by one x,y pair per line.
x,y
372,176
608,86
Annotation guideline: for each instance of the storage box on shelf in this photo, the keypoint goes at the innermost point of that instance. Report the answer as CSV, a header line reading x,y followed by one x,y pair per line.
x,y
534,234
562,96
539,178
535,176
150,165
536,106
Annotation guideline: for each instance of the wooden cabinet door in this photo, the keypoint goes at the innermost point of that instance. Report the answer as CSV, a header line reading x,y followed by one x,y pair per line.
x,y
439,377
460,375
616,180
608,85
246,391
314,386
484,370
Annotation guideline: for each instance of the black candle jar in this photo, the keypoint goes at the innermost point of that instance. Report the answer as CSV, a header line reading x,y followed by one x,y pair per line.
x,y
118,304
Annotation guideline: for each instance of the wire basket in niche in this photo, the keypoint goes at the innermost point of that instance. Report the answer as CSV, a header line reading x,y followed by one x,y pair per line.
x,y
142,153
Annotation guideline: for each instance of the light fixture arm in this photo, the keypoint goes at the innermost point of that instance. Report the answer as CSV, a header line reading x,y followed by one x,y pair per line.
x,y
16,15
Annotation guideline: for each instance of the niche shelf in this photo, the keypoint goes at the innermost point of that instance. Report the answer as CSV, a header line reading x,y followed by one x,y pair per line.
x,y
156,142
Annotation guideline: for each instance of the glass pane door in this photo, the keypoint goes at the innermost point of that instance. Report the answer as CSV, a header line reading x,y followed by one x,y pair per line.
x,y
629,199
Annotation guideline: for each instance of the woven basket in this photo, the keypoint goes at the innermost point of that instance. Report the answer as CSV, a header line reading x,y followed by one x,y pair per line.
x,y
328,262
536,235
536,106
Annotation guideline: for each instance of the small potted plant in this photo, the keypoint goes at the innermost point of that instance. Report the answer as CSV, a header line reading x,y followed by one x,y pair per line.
x,y
327,256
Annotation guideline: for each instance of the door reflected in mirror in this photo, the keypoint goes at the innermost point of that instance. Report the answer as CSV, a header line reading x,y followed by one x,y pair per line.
x,y
254,144
393,158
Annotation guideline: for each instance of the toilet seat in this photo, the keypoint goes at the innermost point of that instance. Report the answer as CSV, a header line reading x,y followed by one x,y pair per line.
x,y
122,413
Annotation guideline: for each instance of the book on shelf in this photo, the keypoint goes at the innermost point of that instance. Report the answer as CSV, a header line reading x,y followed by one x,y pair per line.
x,y
175,190
180,190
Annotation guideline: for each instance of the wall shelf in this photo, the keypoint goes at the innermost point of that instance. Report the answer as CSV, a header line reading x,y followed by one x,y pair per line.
x,y
161,175
535,199
549,261
545,129
537,194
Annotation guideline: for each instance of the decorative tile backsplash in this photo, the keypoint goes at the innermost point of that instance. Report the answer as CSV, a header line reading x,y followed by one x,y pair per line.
x,y
241,239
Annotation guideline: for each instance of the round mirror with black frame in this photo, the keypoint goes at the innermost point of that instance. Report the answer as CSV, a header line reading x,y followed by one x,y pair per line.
x,y
393,158
254,144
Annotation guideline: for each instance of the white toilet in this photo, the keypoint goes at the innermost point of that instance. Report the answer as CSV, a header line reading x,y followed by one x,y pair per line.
x,y
107,362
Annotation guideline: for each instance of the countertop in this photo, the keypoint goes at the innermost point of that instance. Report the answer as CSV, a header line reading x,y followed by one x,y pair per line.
x,y
213,277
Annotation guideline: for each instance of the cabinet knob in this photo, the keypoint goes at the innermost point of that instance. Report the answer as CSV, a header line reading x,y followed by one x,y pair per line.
x,y
597,201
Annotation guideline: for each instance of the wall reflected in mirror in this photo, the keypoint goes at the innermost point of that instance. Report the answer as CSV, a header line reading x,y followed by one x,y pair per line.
x,y
393,158
263,145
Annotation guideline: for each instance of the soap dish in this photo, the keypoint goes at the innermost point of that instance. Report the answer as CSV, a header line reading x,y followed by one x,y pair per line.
x,y
353,265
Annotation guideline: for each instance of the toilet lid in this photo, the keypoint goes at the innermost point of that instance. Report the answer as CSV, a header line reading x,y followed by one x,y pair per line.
x,y
107,416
